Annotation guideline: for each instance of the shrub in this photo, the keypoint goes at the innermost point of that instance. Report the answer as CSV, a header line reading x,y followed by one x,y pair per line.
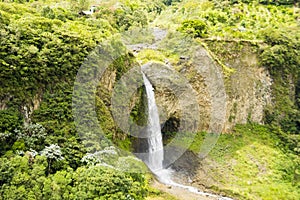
x,y
195,27
282,58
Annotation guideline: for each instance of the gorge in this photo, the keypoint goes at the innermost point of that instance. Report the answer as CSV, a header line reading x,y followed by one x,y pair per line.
x,y
155,152
205,92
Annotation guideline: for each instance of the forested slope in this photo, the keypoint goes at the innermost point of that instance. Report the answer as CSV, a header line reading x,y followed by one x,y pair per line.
x,y
44,43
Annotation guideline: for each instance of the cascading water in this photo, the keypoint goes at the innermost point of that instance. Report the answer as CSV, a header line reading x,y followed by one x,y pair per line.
x,y
155,156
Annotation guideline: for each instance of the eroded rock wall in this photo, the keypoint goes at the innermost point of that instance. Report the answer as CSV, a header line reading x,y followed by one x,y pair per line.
x,y
247,86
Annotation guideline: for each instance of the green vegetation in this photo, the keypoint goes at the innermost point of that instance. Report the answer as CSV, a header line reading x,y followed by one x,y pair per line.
x,y
227,20
252,162
42,156
148,55
282,58
25,178
43,45
270,28
196,28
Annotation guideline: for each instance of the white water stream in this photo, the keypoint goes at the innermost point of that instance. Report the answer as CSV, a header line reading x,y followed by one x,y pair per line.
x,y
155,156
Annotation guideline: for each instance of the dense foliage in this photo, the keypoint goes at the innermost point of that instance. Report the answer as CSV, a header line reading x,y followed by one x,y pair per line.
x,y
44,43
42,157
277,27
24,177
196,28
282,57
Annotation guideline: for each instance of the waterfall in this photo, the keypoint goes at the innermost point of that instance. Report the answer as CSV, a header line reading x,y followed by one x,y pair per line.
x,y
155,154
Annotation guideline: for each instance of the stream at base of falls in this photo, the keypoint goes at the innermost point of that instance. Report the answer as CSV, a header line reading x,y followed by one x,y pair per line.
x,y
155,156
165,176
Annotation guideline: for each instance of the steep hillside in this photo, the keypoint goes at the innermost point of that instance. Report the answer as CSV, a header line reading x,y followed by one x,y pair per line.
x,y
229,67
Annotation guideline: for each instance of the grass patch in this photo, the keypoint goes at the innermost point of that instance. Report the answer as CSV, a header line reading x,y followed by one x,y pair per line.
x,y
156,194
250,163
148,55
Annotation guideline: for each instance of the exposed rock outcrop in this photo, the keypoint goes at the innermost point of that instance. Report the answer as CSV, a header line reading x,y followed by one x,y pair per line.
x,y
239,98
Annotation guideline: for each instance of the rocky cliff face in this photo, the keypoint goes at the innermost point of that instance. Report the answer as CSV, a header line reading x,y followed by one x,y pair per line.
x,y
247,90
221,99
28,108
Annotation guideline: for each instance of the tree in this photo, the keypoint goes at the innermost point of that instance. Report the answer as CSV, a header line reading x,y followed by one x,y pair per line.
x,y
196,28
52,153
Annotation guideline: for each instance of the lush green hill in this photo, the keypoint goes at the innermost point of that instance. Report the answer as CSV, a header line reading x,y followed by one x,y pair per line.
x,y
44,43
